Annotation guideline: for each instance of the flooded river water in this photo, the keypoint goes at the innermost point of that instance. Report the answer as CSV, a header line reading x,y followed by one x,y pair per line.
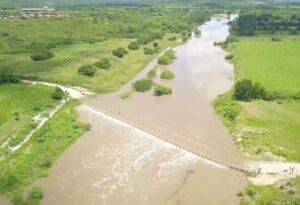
x,y
152,150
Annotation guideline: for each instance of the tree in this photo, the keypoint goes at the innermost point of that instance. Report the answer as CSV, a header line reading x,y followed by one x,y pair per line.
x,y
7,76
120,52
155,44
134,45
245,90
41,55
167,58
104,63
87,70
57,94
143,85
162,90
168,75
148,51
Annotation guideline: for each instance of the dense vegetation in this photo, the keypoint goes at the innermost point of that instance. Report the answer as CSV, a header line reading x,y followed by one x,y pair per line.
x,y
87,70
89,26
87,36
168,75
167,58
268,20
162,90
143,85
41,55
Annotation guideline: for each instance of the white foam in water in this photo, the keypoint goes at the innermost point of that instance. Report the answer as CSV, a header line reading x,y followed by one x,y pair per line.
x,y
157,141
137,159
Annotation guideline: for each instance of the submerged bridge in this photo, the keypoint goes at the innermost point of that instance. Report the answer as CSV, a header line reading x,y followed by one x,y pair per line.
x,y
205,151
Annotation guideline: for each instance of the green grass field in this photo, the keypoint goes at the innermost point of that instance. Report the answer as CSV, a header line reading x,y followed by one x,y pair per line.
x,y
37,156
63,67
283,194
273,64
19,103
265,129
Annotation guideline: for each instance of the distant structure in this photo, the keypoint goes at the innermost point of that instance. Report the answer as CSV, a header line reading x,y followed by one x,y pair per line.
x,y
43,9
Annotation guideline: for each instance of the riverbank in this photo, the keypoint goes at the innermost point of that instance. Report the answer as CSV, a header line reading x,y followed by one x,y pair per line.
x,y
267,130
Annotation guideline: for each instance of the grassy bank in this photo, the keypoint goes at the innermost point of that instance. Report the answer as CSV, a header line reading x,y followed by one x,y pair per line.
x,y
275,65
19,103
265,129
64,66
284,193
37,156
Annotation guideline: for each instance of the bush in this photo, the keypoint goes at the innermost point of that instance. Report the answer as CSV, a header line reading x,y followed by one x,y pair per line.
x,y
134,45
197,32
167,58
41,55
87,70
148,51
57,94
155,44
120,52
293,32
35,194
6,76
142,85
245,90
104,63
151,74
275,39
162,90
173,38
229,57
227,108
185,38
168,75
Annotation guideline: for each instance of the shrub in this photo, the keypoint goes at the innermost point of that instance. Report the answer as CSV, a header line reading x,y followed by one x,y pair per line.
x,y
142,85
6,76
275,39
151,74
35,194
162,90
197,32
57,94
148,51
126,95
155,44
250,191
245,90
185,38
173,38
120,52
87,70
46,161
168,75
104,63
41,55
227,108
293,32
88,126
167,58
229,57
134,45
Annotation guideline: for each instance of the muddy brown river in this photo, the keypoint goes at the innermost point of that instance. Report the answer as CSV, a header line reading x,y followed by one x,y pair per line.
x,y
156,150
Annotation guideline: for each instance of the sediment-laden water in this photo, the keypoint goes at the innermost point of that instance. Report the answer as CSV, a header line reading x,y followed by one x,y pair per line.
x,y
119,162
